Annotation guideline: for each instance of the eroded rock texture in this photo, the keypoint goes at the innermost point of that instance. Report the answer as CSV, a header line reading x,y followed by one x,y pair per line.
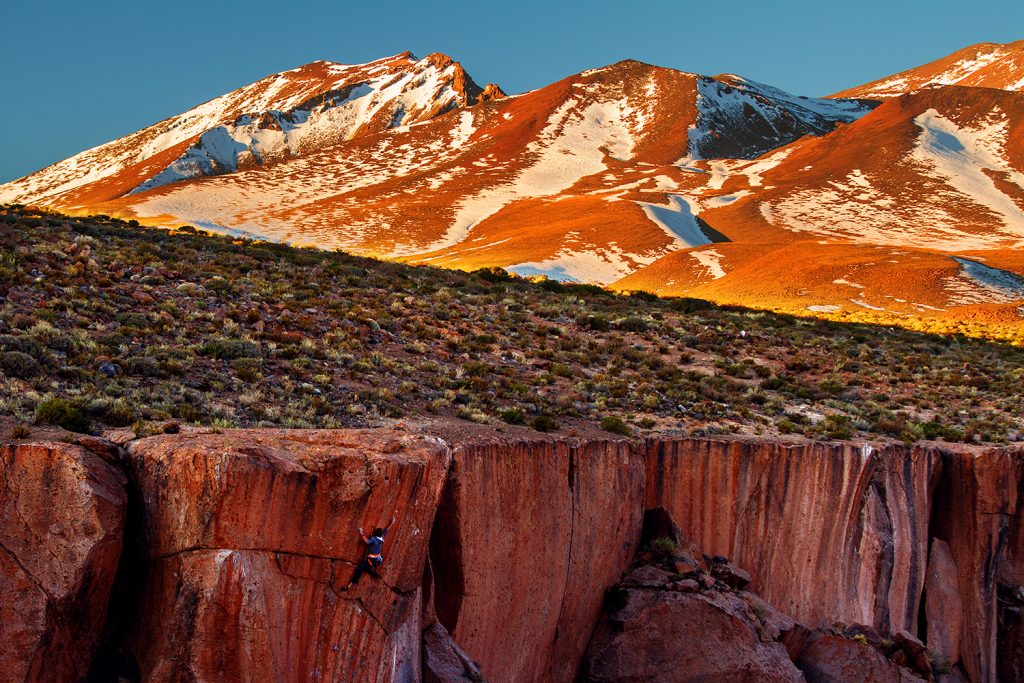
x,y
841,532
252,543
61,519
530,536
246,543
674,637
793,514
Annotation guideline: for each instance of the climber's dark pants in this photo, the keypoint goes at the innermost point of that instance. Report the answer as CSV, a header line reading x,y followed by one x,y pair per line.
x,y
364,567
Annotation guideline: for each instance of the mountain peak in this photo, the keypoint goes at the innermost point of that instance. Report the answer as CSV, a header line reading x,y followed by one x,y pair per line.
x,y
283,115
986,65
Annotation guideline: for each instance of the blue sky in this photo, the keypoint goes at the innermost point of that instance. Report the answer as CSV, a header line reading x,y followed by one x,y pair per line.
x,y
75,74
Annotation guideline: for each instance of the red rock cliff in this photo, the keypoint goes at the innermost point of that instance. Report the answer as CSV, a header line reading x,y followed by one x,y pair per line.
x,y
249,543
530,536
61,520
837,532
252,543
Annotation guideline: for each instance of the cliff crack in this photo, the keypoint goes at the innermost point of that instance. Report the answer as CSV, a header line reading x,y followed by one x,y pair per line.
x,y
200,548
572,531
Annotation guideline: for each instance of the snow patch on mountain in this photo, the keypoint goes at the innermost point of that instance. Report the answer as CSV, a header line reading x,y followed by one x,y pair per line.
x,y
711,261
572,145
255,139
978,283
597,265
959,156
678,220
759,117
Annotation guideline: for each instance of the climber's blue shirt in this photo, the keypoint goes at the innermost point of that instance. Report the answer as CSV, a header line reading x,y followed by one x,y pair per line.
x,y
376,543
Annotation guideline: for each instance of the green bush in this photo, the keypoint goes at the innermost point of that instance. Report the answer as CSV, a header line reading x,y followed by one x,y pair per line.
x,y
10,342
545,423
248,369
141,366
664,546
119,414
838,426
632,324
62,412
228,349
615,425
513,416
19,364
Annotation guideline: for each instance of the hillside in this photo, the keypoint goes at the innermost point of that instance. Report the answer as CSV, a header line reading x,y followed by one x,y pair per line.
x,y
986,65
110,324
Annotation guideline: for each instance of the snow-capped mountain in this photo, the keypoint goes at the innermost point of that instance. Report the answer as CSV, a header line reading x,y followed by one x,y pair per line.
x,y
985,65
629,175
276,117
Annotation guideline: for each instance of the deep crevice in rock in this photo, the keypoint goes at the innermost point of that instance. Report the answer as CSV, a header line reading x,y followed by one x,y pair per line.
x,y
113,660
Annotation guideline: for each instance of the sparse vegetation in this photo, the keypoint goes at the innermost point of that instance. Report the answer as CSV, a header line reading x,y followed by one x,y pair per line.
x,y
663,546
104,324
615,425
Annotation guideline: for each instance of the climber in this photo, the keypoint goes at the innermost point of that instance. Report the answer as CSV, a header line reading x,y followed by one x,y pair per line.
x,y
374,558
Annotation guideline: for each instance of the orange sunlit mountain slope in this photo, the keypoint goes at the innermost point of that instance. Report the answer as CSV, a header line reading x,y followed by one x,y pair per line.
x,y
632,176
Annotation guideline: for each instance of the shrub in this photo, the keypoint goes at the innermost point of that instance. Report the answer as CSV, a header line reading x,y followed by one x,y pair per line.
x,y
632,324
664,546
20,431
689,305
545,423
119,414
9,342
493,274
228,349
19,364
248,369
615,425
513,416
596,322
838,426
62,412
141,366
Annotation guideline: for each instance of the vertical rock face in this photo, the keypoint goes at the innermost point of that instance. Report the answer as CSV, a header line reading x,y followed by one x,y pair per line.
x,y
837,532
944,608
501,553
61,519
530,536
975,507
252,543
829,532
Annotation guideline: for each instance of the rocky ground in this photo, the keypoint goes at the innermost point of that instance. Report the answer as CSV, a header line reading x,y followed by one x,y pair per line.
x,y
680,615
105,324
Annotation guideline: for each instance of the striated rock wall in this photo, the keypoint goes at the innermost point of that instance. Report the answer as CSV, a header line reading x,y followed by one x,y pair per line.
x,y
61,519
793,514
529,537
840,532
501,555
252,543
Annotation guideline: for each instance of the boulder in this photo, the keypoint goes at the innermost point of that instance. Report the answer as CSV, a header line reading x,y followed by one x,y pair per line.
x,y
648,576
252,544
672,637
444,661
831,658
62,511
730,574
